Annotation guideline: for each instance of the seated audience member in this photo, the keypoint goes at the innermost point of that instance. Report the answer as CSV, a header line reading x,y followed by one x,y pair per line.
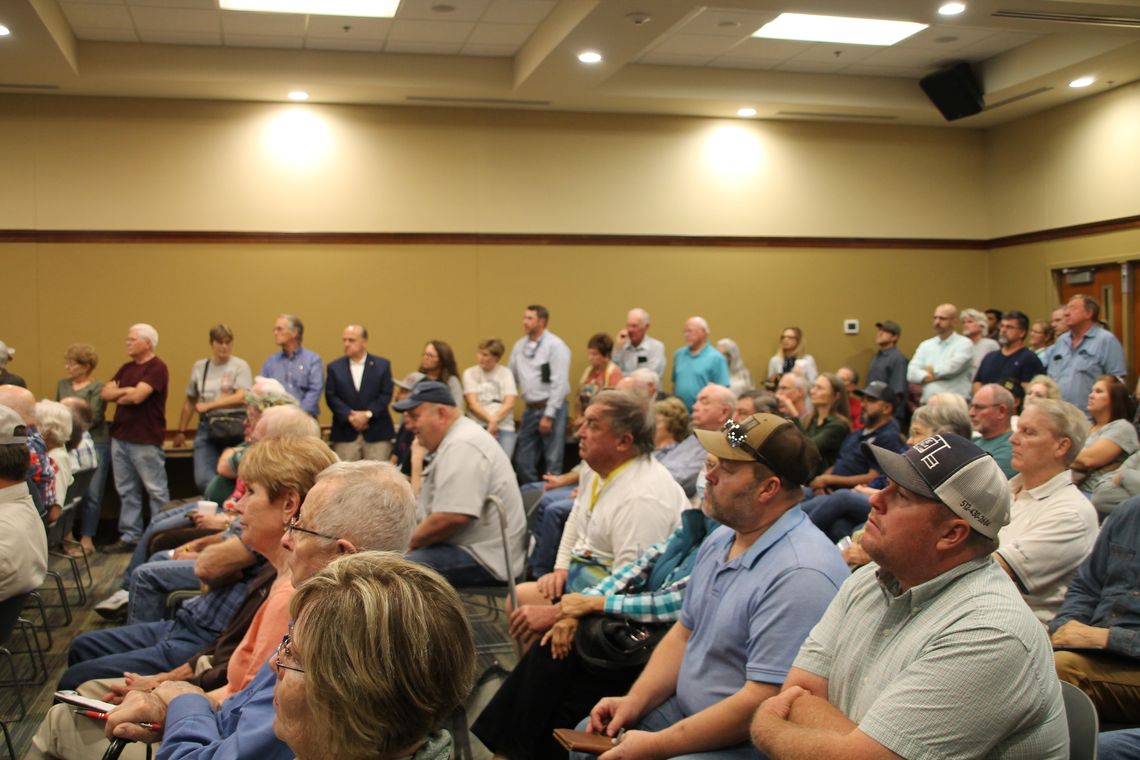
x,y
627,501
458,532
53,420
943,363
739,378
792,393
6,377
278,475
791,358
675,446
839,513
1112,437
341,693
828,423
41,476
402,447
969,677
1096,634
758,586
490,391
23,543
974,327
1043,386
1040,339
755,402
600,373
357,506
990,413
644,381
1118,486
1052,525
850,380
1013,360
438,363
81,448
552,687
853,467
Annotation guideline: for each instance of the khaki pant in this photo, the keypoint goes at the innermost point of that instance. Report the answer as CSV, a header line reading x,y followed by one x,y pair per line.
x,y
67,735
354,451
1112,682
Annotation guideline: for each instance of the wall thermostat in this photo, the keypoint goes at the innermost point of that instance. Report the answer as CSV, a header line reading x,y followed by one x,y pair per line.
x,y
850,327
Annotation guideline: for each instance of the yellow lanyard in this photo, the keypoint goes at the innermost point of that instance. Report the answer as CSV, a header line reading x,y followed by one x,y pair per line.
x,y
599,483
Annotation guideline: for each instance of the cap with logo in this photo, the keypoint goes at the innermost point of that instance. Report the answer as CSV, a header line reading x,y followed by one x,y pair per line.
x,y
768,439
952,470
426,392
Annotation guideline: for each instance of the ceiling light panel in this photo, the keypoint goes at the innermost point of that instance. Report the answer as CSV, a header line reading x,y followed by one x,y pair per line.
x,y
840,29
353,8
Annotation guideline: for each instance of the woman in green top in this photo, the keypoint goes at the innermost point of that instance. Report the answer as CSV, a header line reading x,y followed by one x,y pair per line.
x,y
79,361
829,422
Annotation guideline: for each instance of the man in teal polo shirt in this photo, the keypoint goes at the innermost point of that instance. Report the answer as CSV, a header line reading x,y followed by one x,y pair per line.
x,y
697,363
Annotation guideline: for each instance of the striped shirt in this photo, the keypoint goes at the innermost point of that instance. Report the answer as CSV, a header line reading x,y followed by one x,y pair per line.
x,y
957,667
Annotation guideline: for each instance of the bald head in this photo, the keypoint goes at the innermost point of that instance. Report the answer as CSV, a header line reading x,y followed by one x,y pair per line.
x,y
945,319
21,401
355,341
715,405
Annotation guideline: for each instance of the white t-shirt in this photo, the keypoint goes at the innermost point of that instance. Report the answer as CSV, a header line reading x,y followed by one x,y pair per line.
x,y
490,388
23,543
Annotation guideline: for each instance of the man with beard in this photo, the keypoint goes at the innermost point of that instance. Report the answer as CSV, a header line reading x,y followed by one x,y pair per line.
x,y
1014,360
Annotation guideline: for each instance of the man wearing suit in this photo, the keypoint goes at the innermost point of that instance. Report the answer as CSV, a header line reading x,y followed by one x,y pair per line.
x,y
358,389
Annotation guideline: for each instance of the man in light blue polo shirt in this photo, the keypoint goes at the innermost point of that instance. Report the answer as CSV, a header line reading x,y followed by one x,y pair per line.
x,y
696,364
1084,353
759,584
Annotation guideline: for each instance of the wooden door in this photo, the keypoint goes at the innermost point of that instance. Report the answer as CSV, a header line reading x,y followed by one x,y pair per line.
x,y
1119,311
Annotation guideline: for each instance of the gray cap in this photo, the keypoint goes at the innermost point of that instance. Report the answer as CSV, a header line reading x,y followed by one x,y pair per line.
x,y
410,381
9,421
426,392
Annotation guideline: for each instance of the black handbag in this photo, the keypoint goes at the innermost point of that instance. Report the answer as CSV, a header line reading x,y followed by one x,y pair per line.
x,y
608,643
224,427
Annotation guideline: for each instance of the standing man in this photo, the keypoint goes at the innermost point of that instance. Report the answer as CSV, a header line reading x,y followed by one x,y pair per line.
x,y
1014,360
1084,353
358,390
635,349
889,366
990,413
696,364
944,363
138,431
540,361
295,367
1057,320
929,651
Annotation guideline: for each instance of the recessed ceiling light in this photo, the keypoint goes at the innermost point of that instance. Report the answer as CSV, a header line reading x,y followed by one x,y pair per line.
x,y
357,8
746,112
951,9
298,95
1081,82
4,31
590,56
839,29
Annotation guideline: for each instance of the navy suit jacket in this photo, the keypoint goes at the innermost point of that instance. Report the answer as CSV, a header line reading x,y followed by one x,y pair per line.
x,y
374,395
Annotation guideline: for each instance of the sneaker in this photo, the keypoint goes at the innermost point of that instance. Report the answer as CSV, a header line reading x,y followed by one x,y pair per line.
x,y
119,547
115,605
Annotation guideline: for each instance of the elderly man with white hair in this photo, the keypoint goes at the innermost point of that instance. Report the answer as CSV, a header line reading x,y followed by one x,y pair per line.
x,y
634,349
696,364
138,390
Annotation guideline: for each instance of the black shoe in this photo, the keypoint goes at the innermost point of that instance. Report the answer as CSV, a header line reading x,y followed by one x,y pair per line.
x,y
119,547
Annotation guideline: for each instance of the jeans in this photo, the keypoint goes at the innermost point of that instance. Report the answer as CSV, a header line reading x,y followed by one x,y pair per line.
x,y
507,439
1119,745
666,715
838,513
92,504
152,581
535,449
206,455
550,518
455,564
175,517
138,466
143,648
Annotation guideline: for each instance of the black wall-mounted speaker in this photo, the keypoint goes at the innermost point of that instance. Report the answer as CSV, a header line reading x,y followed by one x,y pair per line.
x,y
955,91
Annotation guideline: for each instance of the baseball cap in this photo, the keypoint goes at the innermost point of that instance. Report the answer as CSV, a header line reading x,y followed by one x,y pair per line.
x,y
876,389
426,392
410,381
890,326
952,470
9,421
768,439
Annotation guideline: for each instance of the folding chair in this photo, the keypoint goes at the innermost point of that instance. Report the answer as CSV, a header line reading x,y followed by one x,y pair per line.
x,y
1084,726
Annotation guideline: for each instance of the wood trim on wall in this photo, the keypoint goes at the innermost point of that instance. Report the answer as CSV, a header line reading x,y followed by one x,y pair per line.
x,y
503,239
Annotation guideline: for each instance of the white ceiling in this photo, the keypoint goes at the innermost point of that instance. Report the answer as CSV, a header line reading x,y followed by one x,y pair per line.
x,y
685,58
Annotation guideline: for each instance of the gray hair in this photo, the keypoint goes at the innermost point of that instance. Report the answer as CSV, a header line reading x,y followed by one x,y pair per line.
x,y
640,313
728,345
372,506
647,376
949,399
1066,421
702,323
288,422
5,354
1002,396
629,412
53,420
944,418
975,314
295,323
267,392
146,332
722,395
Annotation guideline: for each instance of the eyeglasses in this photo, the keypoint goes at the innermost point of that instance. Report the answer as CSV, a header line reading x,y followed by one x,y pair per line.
x,y
284,650
980,407
737,436
293,526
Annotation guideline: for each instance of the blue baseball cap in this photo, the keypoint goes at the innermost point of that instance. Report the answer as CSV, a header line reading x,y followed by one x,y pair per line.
x,y
426,392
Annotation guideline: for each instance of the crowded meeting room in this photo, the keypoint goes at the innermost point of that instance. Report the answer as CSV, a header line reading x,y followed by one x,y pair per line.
x,y
526,379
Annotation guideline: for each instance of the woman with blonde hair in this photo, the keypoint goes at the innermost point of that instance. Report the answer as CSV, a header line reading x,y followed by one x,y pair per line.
x,y
1043,386
790,357
79,361
380,655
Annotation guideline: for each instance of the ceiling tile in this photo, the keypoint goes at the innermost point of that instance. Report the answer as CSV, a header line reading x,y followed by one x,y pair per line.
x,y
675,59
719,21
208,5
167,37
332,27
423,48
489,51
862,69
908,57
177,21
730,62
94,2
500,34
98,17
106,35
768,49
442,32
262,41
998,43
696,44
344,43
263,24
946,37
810,67
465,10
838,55
518,11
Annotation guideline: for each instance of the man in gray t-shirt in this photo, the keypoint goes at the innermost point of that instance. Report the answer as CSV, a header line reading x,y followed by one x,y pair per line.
x,y
458,530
